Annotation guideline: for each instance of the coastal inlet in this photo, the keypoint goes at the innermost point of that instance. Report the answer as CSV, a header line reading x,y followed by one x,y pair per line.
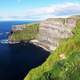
x,y
16,60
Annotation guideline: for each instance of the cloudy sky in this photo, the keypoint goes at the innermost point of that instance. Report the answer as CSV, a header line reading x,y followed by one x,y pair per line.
x,y
37,9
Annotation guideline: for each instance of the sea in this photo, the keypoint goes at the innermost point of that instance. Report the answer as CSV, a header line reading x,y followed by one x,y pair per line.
x,y
16,60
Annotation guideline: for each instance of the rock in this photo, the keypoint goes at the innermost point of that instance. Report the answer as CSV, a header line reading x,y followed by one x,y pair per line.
x,y
52,30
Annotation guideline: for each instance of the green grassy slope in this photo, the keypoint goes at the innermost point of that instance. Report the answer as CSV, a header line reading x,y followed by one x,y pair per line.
x,y
63,64
30,32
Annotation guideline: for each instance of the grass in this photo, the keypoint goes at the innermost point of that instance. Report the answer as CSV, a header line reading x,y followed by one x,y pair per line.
x,y
28,33
56,68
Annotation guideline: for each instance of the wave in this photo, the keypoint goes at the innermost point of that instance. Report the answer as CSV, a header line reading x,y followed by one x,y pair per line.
x,y
4,41
2,33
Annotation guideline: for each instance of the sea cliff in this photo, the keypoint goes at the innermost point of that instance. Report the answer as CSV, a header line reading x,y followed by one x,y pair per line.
x,y
45,34
51,31
60,36
64,62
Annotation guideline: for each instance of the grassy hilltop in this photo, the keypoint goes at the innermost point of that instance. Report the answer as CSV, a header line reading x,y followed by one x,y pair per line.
x,y
28,33
63,63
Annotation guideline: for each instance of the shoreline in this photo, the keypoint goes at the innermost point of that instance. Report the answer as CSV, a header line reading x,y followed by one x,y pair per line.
x,y
33,42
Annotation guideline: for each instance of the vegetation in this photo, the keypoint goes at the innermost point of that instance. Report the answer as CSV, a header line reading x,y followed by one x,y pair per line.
x,y
29,32
64,63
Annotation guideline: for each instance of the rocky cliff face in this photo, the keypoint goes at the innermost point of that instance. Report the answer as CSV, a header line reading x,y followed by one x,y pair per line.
x,y
52,30
49,32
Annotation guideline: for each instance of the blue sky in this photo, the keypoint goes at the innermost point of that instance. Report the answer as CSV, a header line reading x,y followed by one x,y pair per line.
x,y
37,9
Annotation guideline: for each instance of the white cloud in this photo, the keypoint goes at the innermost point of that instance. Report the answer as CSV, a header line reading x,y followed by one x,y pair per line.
x,y
54,9
59,10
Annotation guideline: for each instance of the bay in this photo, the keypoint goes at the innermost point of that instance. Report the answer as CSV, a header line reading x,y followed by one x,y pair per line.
x,y
18,59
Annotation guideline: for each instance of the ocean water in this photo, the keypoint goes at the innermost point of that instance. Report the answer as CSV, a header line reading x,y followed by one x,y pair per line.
x,y
5,27
18,59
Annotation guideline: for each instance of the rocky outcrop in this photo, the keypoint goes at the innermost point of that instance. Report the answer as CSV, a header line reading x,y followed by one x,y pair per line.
x,y
52,30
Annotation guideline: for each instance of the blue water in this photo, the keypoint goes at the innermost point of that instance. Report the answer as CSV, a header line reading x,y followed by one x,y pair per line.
x,y
5,26
16,60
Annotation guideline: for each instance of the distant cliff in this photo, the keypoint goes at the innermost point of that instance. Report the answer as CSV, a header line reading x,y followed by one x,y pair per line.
x,y
23,33
46,34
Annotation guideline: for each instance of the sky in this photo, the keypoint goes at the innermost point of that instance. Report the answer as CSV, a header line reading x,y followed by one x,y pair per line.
x,y
37,9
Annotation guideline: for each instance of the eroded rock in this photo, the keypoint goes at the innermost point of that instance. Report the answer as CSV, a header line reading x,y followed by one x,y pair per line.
x,y
52,30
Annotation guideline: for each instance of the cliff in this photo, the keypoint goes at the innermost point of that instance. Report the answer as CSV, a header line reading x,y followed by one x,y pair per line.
x,y
60,36
46,34
25,32
64,62
51,31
